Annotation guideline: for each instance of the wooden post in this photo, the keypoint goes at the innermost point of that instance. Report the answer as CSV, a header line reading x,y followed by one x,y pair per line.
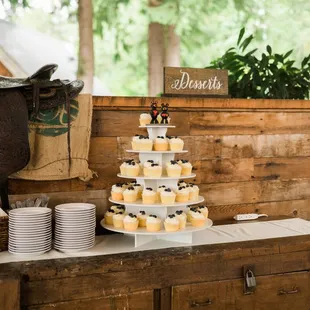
x,y
155,58
172,50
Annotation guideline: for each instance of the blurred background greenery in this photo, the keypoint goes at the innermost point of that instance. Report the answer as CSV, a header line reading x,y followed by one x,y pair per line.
x,y
205,28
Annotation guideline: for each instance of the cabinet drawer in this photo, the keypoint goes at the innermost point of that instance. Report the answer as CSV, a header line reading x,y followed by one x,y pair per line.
x,y
138,301
285,292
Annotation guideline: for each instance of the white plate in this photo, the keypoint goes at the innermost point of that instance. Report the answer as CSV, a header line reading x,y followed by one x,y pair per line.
x,y
33,238
76,212
30,249
30,223
29,245
30,211
77,225
88,220
25,228
75,233
75,207
64,250
30,253
75,239
74,246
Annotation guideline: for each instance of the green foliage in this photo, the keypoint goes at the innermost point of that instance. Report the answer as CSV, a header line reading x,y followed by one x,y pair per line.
x,y
273,76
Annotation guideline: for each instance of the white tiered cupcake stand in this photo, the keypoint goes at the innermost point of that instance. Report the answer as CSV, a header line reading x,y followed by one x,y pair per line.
x,y
141,235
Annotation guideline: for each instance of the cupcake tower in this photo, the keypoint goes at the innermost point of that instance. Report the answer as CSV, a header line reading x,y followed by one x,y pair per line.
x,y
165,214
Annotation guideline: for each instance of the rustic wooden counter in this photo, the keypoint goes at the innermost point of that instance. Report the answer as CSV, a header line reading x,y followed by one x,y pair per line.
x,y
205,276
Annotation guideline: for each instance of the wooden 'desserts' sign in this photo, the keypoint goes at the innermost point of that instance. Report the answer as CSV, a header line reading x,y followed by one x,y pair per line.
x,y
190,81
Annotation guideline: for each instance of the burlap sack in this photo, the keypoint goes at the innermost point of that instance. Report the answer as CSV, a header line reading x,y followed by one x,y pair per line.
x,y
48,143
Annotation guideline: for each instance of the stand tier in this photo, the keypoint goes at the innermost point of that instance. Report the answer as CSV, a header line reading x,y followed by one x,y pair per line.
x,y
142,236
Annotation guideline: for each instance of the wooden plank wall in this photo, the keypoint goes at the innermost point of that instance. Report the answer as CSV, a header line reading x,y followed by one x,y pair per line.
x,y
249,155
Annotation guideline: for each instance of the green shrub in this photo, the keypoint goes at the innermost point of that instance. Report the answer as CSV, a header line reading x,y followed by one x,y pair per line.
x,y
274,76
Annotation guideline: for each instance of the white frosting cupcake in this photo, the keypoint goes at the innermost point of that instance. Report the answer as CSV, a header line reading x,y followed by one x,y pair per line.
x,y
197,218
171,223
182,194
153,223
142,218
173,169
176,144
145,118
148,196
167,196
161,144
131,222
144,143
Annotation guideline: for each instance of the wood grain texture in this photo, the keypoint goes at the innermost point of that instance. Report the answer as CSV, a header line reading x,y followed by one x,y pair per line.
x,y
139,300
4,71
248,123
256,191
192,81
291,208
188,104
211,268
9,291
126,123
269,295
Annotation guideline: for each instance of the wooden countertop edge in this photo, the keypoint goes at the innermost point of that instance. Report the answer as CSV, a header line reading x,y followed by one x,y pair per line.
x,y
194,103
69,267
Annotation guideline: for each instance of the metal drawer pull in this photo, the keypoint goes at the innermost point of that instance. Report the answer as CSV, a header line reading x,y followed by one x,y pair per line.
x,y
293,291
201,304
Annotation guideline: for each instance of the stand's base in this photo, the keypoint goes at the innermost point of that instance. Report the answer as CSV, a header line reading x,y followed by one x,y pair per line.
x,y
181,237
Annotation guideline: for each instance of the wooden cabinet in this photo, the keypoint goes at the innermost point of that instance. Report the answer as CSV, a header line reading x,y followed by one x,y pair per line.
x,y
138,301
285,292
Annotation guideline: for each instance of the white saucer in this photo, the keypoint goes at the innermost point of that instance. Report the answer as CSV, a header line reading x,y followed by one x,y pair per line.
x,y
75,207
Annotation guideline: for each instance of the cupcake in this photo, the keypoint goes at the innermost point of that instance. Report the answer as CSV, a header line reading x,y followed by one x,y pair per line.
x,y
138,188
145,119
176,144
154,171
131,222
182,194
108,217
182,183
118,220
126,185
186,167
130,194
160,189
153,223
173,169
118,208
171,223
161,144
193,191
135,143
117,192
145,143
188,212
197,218
148,196
146,165
167,196
133,169
142,218
181,216
204,210
123,168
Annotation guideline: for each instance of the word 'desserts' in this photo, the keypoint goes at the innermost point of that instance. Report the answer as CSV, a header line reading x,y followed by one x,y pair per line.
x,y
188,81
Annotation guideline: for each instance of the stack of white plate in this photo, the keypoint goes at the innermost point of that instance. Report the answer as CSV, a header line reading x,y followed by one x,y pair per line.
x,y
30,230
75,227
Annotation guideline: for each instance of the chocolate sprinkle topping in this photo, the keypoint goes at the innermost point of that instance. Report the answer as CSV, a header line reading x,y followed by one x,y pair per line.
x,y
131,188
149,188
168,190
131,215
152,215
171,216
179,212
111,210
142,212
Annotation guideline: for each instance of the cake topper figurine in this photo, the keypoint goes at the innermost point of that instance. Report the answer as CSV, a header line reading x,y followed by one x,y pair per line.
x,y
164,113
154,113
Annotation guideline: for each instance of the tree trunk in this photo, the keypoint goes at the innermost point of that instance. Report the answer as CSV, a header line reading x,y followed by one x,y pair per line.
x,y
155,58
86,45
172,50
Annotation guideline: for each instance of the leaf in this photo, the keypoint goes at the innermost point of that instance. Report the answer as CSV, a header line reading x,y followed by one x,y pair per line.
x,y
251,52
269,50
288,54
241,34
305,61
246,42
